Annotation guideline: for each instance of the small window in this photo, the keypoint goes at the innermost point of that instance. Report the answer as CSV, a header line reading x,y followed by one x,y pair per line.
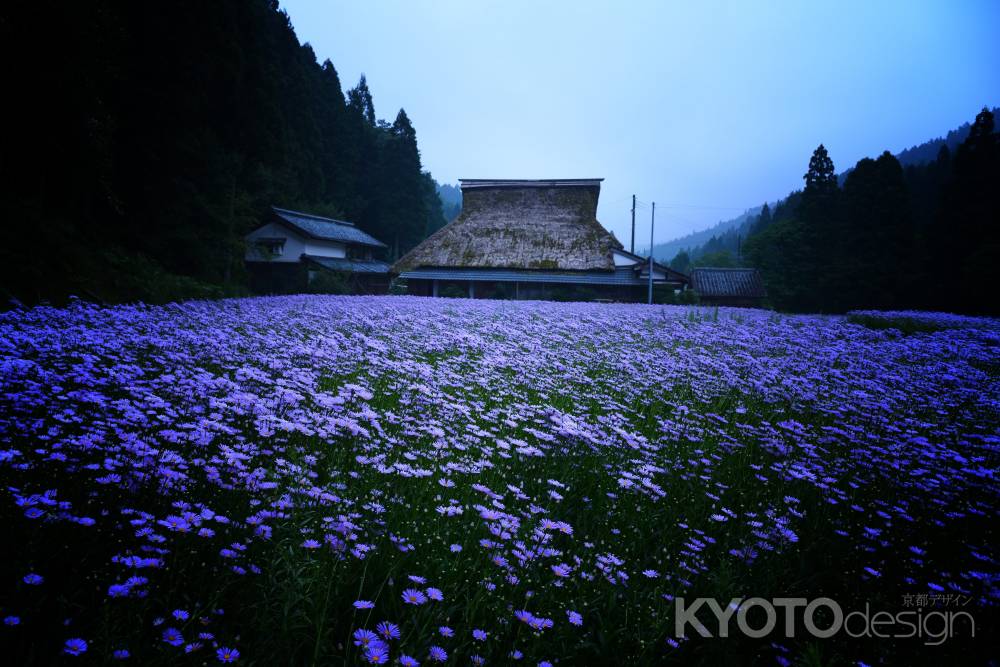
x,y
270,247
359,252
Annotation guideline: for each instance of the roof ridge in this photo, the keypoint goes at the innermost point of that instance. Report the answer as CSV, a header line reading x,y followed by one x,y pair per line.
x,y
471,183
278,209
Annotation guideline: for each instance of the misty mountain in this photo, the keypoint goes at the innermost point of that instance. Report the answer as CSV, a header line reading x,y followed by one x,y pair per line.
x,y
689,242
451,200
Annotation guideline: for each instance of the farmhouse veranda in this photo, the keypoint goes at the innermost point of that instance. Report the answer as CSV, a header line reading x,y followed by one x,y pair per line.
x,y
328,480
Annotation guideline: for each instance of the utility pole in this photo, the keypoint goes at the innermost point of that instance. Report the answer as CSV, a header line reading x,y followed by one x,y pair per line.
x,y
632,247
652,225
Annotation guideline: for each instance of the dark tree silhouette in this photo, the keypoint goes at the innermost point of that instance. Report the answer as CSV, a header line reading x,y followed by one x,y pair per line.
x,y
151,137
927,236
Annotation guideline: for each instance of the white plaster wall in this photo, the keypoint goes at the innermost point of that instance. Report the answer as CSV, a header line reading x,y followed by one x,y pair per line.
x,y
622,260
294,244
325,248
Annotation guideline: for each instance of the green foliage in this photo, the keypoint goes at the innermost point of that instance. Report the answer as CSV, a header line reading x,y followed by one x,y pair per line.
x,y
666,295
330,282
453,291
721,259
681,262
906,325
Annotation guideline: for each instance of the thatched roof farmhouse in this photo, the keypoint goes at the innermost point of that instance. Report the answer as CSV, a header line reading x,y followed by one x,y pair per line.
x,y
529,238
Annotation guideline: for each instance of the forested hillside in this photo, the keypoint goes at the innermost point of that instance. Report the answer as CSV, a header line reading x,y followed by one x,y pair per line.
x,y
923,236
721,244
695,242
146,139
451,200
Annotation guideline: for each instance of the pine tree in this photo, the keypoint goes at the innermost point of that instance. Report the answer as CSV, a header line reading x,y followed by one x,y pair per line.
x,y
820,179
359,100
819,217
763,220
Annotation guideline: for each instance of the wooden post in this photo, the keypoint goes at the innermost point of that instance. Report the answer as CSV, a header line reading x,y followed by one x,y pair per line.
x,y
632,246
517,290
472,289
652,225
434,288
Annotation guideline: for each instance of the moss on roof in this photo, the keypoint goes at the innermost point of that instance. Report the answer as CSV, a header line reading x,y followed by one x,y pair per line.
x,y
521,226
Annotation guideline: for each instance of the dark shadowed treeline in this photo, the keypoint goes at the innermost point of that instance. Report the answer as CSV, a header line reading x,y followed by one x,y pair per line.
x,y
142,140
925,236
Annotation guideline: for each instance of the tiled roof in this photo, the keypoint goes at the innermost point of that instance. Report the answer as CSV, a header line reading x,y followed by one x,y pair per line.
x,y
349,265
326,229
744,283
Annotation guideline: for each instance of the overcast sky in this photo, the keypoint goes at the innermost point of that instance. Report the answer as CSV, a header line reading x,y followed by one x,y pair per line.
x,y
705,108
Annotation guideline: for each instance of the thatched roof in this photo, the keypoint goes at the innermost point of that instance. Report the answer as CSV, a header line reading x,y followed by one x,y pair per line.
x,y
521,225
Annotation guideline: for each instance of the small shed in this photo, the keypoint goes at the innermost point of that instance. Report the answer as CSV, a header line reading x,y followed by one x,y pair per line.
x,y
728,287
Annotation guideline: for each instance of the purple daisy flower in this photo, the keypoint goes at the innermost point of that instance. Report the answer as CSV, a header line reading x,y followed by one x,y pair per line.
x,y
438,654
364,604
227,654
408,661
435,594
388,630
562,570
364,637
75,646
118,590
33,579
414,596
479,635
574,618
524,615
121,654
446,631
173,636
377,654
12,620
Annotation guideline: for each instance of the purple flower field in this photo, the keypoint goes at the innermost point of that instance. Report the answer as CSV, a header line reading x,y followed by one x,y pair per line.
x,y
329,480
